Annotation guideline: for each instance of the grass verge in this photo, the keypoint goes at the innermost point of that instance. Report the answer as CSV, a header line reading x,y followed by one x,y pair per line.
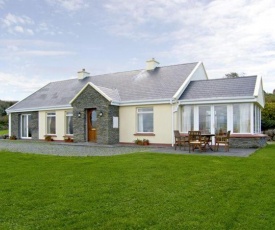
x,y
137,191
4,132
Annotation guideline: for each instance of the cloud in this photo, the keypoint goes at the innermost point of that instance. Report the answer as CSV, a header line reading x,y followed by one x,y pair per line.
x,y
69,5
17,24
44,53
23,50
19,85
11,19
2,3
231,36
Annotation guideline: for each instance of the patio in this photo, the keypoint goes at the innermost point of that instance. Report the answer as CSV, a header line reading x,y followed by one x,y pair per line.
x,y
92,149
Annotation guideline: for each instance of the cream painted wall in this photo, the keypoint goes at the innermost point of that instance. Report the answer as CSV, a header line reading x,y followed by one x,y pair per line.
x,y
162,124
42,124
60,124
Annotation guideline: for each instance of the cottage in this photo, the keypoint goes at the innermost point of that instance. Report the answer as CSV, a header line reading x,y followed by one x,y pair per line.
x,y
148,103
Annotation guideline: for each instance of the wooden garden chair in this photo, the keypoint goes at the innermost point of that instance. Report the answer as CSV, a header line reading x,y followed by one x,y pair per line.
x,y
222,139
180,140
195,140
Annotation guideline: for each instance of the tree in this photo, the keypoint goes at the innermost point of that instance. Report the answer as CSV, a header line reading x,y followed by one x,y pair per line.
x,y
268,113
3,115
232,75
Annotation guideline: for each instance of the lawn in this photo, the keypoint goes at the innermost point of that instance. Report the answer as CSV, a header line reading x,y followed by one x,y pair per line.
x,y
4,132
137,191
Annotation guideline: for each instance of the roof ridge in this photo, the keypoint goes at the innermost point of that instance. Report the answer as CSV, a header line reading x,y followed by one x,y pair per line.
x,y
167,66
143,69
179,64
225,78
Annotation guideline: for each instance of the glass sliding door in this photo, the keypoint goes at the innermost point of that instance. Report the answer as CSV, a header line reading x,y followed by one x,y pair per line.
x,y
220,112
25,126
205,119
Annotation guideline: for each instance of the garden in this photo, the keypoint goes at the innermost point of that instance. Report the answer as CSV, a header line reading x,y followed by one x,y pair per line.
x,y
137,191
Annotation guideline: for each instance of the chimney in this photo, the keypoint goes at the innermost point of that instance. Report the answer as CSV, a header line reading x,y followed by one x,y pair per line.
x,y
82,74
151,64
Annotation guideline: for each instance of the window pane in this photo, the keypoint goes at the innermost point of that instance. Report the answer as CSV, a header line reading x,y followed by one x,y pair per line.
x,y
220,119
145,120
94,119
69,123
257,122
24,126
205,119
29,128
51,123
187,119
241,118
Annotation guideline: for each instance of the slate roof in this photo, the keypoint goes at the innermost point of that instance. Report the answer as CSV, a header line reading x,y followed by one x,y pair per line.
x,y
220,88
137,85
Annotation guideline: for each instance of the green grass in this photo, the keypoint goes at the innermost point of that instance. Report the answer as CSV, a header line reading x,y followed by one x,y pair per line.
x,y
137,191
4,132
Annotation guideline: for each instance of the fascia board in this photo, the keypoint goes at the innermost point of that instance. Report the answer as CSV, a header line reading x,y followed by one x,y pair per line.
x,y
257,86
93,86
143,102
186,82
218,101
10,108
48,108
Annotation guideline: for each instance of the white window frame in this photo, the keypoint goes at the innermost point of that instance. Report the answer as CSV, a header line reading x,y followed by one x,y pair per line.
x,y
186,113
229,117
27,125
139,111
68,114
50,114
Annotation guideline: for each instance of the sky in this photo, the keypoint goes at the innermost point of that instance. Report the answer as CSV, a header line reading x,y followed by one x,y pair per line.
x,y
42,41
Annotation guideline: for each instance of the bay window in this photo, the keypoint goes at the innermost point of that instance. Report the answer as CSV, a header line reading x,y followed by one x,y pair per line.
x,y
238,118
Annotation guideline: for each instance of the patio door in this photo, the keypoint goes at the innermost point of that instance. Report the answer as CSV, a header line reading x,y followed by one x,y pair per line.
x,y
205,122
25,126
92,125
213,119
220,119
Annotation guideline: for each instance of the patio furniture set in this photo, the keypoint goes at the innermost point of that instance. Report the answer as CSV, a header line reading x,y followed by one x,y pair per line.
x,y
201,141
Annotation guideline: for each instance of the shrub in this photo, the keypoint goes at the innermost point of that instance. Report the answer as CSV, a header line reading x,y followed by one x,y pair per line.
x,y
13,137
48,138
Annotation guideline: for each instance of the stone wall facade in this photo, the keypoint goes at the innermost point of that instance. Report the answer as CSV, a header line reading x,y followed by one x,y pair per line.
x,y
16,124
247,142
91,99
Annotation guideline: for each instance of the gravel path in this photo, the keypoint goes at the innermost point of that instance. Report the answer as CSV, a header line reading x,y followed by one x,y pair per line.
x,y
66,149
87,149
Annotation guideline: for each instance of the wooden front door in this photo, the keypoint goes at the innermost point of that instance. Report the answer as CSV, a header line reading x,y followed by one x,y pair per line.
x,y
91,124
